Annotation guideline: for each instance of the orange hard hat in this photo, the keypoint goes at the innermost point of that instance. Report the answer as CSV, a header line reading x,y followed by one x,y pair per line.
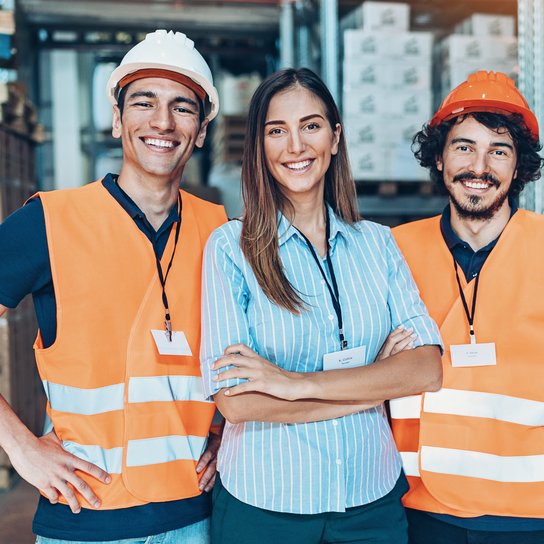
x,y
486,91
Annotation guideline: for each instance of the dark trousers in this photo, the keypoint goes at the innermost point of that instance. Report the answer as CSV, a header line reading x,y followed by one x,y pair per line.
x,y
380,522
425,529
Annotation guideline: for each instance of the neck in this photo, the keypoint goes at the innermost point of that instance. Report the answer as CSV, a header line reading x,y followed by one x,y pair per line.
x,y
477,232
309,218
154,196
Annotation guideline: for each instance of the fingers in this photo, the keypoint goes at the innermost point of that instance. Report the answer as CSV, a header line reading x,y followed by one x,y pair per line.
x,y
405,343
68,493
208,478
92,470
234,373
390,346
245,387
239,348
205,458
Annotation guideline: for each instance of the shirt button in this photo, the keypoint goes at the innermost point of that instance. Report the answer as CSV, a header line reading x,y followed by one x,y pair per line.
x,y
339,461
331,317
335,423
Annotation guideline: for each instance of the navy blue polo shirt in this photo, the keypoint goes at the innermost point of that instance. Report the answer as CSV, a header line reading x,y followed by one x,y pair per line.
x,y
471,263
25,269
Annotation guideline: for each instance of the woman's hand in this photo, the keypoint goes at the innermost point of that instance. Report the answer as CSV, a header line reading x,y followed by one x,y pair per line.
x,y
261,375
398,340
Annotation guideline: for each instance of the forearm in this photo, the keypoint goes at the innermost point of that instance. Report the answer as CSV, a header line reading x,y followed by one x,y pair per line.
x,y
13,432
262,407
406,373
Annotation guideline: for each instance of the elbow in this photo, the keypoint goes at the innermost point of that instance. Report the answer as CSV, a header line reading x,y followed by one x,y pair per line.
x,y
230,408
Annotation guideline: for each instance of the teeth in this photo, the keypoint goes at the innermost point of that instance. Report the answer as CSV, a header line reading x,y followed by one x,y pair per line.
x,y
298,165
476,185
158,143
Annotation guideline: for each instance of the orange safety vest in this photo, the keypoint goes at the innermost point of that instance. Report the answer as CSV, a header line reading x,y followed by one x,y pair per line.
x,y
476,447
113,400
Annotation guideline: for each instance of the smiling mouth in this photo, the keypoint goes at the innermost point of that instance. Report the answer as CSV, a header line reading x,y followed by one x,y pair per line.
x,y
159,143
478,185
299,166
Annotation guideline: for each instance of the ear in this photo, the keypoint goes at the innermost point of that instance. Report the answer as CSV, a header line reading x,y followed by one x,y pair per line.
x,y
202,133
116,125
336,138
439,164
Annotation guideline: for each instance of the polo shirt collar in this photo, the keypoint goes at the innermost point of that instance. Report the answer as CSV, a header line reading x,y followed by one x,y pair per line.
x,y
451,238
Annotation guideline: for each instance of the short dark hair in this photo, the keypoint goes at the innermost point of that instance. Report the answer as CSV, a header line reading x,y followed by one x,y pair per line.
x,y
122,94
428,146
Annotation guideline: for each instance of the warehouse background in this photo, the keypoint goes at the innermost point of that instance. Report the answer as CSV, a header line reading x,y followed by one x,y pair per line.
x,y
388,64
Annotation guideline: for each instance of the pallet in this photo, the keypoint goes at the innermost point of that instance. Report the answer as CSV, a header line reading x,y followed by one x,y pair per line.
x,y
396,188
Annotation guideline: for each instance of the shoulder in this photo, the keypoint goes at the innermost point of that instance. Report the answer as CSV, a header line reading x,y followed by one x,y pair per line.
x,y
415,229
371,232
532,220
204,206
226,238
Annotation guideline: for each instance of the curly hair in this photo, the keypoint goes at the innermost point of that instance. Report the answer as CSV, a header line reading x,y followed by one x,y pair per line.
x,y
428,146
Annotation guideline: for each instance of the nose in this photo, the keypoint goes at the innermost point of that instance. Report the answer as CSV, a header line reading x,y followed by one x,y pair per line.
x,y
162,119
479,162
296,144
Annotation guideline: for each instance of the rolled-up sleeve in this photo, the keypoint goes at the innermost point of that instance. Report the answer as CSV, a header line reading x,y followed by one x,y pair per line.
x,y
404,302
224,302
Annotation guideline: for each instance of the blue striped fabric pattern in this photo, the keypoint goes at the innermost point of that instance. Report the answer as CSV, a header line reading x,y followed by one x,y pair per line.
x,y
328,465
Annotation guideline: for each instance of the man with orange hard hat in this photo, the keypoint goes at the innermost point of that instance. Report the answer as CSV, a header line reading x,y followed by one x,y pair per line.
x,y
474,451
114,268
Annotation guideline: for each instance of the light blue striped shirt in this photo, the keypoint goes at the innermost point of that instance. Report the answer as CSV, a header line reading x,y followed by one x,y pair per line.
x,y
329,465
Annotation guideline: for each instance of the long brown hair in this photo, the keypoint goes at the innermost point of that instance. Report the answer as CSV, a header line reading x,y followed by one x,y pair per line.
x,y
263,197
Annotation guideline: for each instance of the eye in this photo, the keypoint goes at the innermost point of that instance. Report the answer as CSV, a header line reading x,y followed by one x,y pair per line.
x,y
463,148
312,126
276,131
500,152
142,104
183,109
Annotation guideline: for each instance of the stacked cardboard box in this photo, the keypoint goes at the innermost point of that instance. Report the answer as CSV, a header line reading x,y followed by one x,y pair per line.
x,y
19,381
481,42
386,91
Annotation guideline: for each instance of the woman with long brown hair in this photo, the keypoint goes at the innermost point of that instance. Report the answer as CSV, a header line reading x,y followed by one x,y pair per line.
x,y
300,283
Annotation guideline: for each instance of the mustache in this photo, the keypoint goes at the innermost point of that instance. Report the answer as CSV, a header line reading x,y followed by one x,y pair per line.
x,y
486,176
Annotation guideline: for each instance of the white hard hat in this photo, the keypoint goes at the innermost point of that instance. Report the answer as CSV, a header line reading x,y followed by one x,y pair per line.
x,y
167,51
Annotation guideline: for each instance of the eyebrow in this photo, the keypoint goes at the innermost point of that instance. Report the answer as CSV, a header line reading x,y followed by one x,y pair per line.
x,y
473,142
301,120
151,94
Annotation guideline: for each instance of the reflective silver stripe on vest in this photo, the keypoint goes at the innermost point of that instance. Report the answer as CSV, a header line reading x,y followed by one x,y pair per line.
x,y
166,388
110,460
488,405
152,451
87,402
406,407
512,469
410,463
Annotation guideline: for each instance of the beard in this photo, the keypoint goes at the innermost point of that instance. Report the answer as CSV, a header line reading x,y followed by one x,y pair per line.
x,y
473,208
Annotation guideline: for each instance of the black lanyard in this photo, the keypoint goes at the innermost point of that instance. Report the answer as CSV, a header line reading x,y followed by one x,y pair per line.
x,y
164,277
470,315
333,290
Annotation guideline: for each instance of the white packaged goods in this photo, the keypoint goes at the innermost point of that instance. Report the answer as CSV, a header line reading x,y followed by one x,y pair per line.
x,y
235,92
476,48
368,162
390,16
364,101
402,165
373,44
381,129
484,24
385,73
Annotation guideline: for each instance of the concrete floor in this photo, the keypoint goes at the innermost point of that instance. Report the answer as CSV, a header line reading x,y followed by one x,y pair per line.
x,y
17,507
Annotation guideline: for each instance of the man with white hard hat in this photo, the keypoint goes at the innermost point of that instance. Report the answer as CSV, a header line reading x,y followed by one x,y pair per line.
x,y
114,268
474,451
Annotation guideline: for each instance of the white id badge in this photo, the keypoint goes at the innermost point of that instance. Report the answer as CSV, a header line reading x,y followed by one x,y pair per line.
x,y
465,355
178,345
347,358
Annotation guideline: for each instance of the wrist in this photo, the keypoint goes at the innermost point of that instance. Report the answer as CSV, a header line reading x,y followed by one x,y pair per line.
x,y
304,385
